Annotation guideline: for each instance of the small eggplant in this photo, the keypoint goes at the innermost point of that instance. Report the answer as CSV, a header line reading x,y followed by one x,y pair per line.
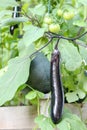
x,y
57,96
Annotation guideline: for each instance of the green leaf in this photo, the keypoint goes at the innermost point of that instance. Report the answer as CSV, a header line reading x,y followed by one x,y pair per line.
x,y
40,94
71,97
83,52
85,86
79,23
23,50
31,95
7,3
32,34
84,2
44,123
16,75
71,122
3,70
38,10
5,13
70,55
12,21
34,94
64,125
81,93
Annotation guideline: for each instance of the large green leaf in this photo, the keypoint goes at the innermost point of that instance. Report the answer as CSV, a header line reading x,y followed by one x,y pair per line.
x,y
38,10
5,13
70,55
6,3
32,34
12,21
16,75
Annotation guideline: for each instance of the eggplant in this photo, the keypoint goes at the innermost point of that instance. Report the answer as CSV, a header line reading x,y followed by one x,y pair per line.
x,y
57,94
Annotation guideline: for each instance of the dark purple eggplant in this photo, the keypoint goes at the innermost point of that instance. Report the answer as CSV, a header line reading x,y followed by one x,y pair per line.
x,y
57,96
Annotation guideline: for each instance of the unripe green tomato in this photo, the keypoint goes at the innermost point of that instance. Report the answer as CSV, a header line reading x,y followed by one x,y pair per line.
x,y
47,20
68,15
59,12
55,28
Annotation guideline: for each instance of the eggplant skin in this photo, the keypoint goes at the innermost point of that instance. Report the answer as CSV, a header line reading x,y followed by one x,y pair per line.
x,y
57,96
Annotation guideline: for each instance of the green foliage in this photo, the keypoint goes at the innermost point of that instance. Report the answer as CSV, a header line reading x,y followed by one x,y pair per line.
x,y
13,21
11,80
71,122
34,96
16,49
44,122
6,3
70,55
33,35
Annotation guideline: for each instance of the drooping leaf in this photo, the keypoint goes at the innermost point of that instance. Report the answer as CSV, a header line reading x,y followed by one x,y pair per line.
x,y
5,13
16,75
44,123
34,94
31,95
12,21
32,34
70,55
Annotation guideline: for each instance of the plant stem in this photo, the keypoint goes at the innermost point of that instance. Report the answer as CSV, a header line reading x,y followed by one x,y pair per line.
x,y
38,106
49,5
41,48
73,2
61,3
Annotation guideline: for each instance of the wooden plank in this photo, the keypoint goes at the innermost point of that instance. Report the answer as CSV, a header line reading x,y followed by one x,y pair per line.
x,y
21,117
